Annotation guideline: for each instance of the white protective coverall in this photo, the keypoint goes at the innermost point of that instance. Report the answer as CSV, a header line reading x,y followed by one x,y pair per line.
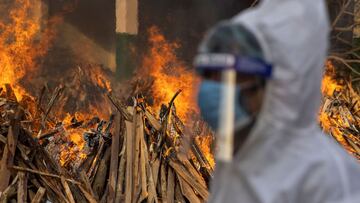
x,y
286,157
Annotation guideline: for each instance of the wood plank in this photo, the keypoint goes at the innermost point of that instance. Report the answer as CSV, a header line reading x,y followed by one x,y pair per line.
x,y
100,180
179,198
163,185
87,183
143,160
121,174
185,161
68,192
155,170
10,190
152,194
129,161
153,121
138,131
190,179
9,152
115,141
88,196
39,195
170,186
22,188
187,191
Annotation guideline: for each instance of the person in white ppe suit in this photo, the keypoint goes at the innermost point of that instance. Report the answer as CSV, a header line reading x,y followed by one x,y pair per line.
x,y
283,154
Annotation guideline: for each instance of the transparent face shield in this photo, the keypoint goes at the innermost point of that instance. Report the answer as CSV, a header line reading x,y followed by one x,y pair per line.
x,y
227,52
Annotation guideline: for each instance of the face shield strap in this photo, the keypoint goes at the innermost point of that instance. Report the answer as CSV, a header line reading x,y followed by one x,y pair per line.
x,y
242,64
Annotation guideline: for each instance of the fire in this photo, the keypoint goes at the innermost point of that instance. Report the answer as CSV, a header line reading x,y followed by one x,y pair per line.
x,y
338,113
75,136
329,84
23,44
19,50
170,75
205,143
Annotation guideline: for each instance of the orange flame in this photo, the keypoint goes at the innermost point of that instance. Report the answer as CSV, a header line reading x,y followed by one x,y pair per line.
x,y
73,152
18,48
23,43
330,85
333,121
205,142
170,75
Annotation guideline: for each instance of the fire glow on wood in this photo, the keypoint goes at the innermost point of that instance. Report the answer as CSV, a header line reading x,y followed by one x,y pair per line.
x,y
62,139
70,147
340,113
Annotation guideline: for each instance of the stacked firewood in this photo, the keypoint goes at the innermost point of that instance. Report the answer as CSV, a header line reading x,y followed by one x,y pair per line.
x,y
340,115
154,158
135,156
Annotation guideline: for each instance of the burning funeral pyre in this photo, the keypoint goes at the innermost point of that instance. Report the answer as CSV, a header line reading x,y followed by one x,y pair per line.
x,y
77,141
74,141
132,156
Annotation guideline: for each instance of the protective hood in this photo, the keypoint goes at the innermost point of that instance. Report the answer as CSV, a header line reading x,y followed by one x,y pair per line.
x,y
286,158
294,37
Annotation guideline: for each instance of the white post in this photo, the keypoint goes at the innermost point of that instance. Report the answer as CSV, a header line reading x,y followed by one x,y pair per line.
x,y
227,117
127,16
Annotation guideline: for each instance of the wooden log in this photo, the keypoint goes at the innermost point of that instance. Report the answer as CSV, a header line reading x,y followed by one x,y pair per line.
x,y
179,198
152,196
170,186
77,194
22,188
189,167
155,170
163,184
143,175
95,163
104,196
39,195
190,179
51,103
202,159
187,191
115,140
129,162
9,151
9,191
100,177
147,174
88,196
120,107
153,121
137,133
46,179
121,174
44,174
68,192
87,184
31,194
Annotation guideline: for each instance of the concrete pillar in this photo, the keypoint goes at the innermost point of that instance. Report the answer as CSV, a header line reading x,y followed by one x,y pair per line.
x,y
126,31
127,16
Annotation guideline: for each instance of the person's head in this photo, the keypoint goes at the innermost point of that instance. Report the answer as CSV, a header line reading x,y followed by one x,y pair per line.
x,y
225,47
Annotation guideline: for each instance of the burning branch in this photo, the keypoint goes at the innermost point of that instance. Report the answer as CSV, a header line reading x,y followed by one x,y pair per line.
x,y
340,112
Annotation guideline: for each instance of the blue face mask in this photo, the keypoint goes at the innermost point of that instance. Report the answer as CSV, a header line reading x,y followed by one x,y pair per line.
x,y
209,99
